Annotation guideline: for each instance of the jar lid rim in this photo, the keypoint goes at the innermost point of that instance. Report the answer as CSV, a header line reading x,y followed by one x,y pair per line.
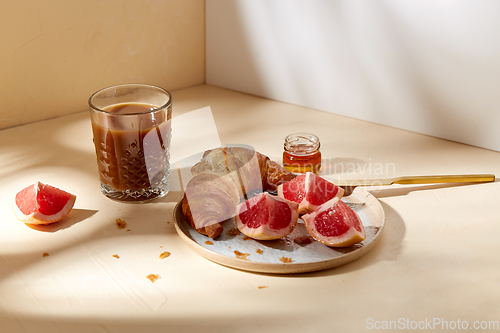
x,y
307,142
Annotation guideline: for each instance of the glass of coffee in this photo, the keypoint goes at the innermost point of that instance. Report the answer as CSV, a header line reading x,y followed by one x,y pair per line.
x,y
131,124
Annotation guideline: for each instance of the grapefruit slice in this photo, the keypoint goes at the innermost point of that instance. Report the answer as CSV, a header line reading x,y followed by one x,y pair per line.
x,y
335,224
42,204
266,217
293,190
309,191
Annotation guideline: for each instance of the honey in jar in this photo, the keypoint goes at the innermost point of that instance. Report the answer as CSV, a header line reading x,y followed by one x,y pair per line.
x,y
301,153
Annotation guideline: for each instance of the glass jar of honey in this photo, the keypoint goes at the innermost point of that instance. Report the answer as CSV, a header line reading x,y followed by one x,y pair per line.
x,y
301,153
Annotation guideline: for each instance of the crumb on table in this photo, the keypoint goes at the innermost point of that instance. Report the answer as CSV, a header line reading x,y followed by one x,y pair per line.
x,y
262,287
153,277
164,255
116,256
45,254
121,224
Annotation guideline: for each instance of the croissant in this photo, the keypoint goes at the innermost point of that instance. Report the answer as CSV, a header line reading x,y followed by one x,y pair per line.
x,y
223,178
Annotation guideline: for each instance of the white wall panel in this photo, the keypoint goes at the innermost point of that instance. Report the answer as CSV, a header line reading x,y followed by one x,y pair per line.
x,y
427,66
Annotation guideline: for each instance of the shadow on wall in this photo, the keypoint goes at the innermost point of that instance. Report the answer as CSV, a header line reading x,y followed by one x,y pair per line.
x,y
412,65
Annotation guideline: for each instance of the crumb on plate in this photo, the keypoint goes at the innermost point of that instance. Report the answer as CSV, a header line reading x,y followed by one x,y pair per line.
x,y
303,240
259,251
285,260
241,255
233,232
209,243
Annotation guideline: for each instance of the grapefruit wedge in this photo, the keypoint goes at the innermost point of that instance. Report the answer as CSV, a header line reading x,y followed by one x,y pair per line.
x,y
266,217
309,191
335,224
42,204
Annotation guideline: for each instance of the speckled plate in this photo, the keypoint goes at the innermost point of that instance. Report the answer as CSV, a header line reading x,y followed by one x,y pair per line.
x,y
295,253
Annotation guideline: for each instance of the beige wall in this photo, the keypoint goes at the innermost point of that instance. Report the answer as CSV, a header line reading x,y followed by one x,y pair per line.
x,y
55,53
426,66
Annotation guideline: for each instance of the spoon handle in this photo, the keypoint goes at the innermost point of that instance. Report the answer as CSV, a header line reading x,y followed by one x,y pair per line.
x,y
472,178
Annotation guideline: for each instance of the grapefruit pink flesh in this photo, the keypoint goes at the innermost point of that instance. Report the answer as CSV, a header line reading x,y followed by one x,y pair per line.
x,y
265,217
309,191
335,224
42,204
293,190
254,212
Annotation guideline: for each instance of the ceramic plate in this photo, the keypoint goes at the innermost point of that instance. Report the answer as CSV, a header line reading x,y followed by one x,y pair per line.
x,y
295,253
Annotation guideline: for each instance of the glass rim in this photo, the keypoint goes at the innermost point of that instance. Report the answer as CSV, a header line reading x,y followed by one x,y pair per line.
x,y
142,85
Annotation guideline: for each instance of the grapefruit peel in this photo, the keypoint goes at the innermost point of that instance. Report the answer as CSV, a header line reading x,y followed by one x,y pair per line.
x,y
42,204
310,191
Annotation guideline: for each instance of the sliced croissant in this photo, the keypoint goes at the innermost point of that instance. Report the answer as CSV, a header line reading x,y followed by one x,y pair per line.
x,y
209,200
221,180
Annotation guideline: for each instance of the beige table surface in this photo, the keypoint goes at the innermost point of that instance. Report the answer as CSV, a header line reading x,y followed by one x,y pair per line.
x,y
437,261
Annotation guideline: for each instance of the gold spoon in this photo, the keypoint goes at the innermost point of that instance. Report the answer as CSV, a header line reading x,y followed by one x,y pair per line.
x,y
349,185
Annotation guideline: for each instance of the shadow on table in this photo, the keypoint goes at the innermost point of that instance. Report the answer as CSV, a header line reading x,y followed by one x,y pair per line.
x,y
75,216
197,322
389,246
